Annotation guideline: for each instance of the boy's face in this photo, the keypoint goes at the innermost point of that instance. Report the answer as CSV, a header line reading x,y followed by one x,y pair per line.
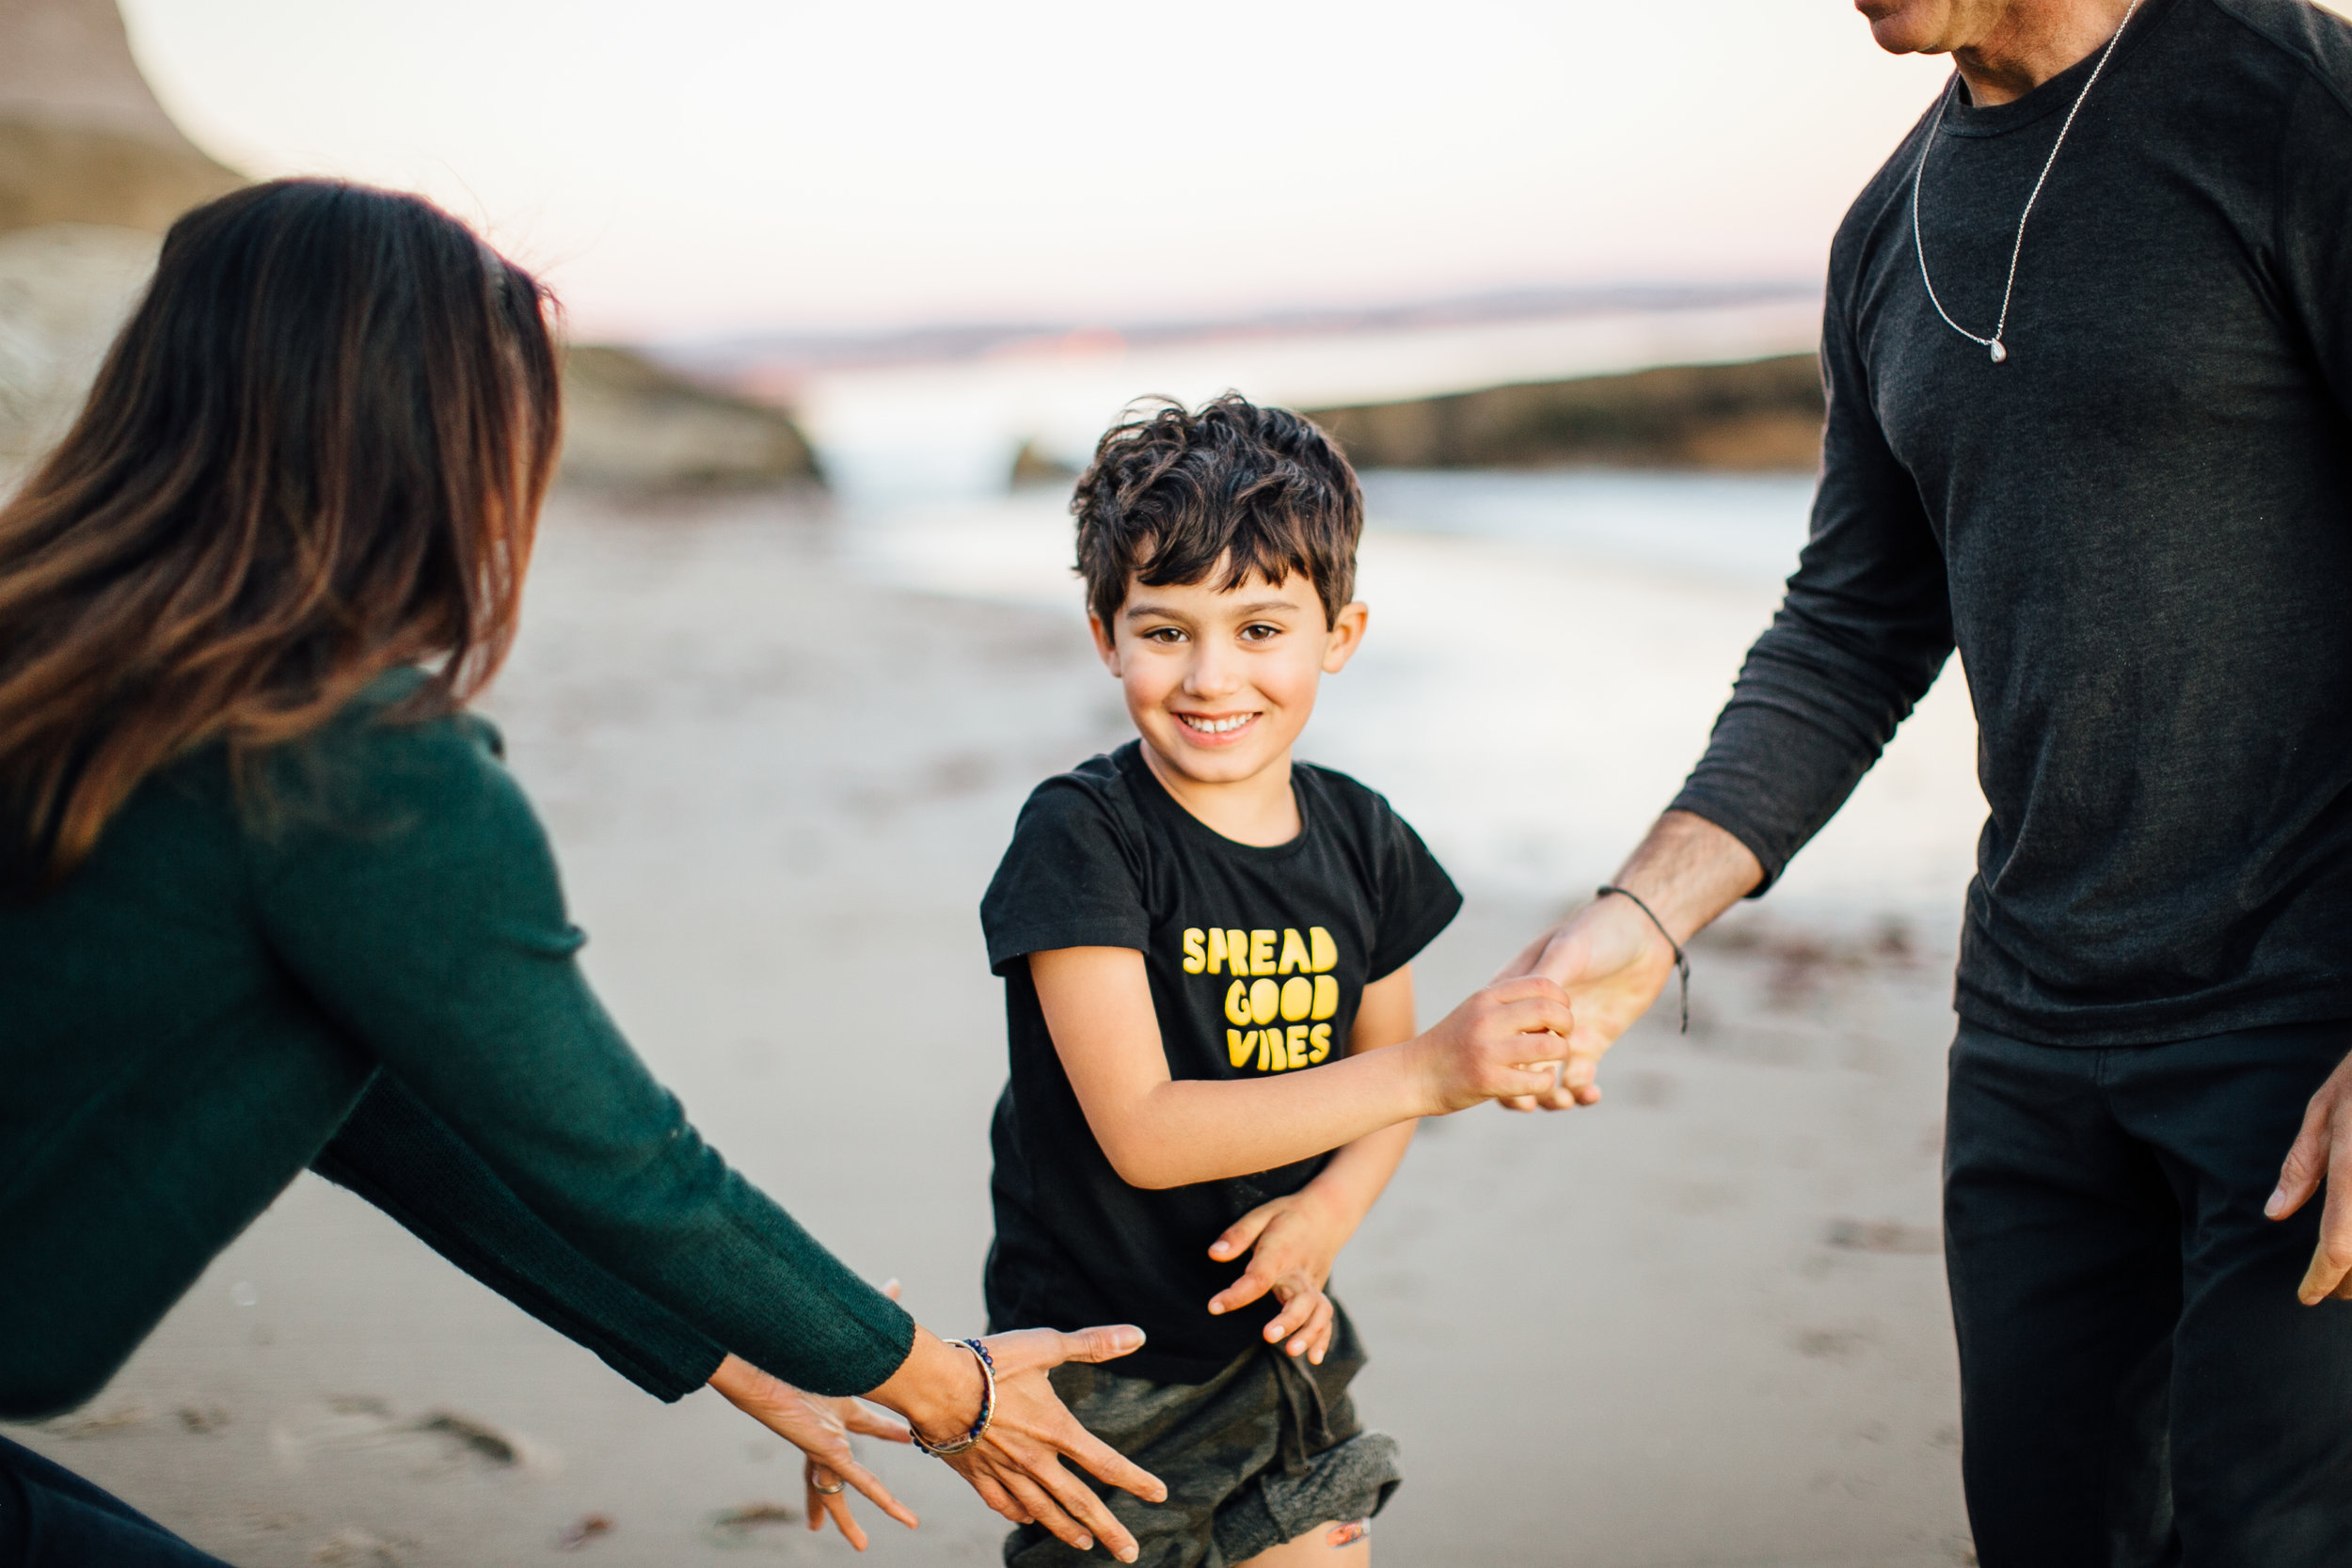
x,y
1219,683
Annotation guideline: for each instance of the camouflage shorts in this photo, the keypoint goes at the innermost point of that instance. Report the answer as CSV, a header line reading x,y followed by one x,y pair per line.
x,y
1259,1454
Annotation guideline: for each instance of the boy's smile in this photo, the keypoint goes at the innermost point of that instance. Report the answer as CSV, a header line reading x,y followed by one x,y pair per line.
x,y
1216,730
1219,683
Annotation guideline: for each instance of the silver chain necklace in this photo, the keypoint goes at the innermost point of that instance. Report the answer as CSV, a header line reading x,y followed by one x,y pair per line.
x,y
1997,343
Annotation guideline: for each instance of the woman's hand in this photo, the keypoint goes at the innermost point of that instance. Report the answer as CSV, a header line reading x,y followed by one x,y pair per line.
x,y
818,1426
1296,1239
1016,1468
824,1484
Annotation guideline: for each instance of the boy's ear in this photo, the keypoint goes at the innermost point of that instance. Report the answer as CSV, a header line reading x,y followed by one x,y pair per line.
x,y
1346,636
1106,645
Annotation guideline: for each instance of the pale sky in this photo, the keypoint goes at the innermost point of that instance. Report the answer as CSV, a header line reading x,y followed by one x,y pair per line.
x,y
702,165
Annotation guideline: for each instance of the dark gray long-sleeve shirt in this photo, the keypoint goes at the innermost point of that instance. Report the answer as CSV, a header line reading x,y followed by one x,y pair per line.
x,y
2139,532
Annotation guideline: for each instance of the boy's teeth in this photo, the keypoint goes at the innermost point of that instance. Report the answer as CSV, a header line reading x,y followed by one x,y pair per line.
x,y
1219,727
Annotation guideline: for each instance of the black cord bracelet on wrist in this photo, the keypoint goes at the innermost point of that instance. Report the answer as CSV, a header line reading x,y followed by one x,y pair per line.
x,y
1682,963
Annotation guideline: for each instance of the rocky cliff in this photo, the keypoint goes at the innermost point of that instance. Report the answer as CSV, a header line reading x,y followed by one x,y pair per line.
x,y
82,139
1761,416
92,171
630,424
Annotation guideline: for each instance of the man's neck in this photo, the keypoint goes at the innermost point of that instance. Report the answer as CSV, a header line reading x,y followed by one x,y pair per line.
x,y
2025,43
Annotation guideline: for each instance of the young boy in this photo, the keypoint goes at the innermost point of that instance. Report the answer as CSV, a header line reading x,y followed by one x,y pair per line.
x,y
1206,950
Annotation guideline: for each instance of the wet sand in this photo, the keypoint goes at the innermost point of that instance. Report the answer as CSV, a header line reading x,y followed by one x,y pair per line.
x,y
1701,1324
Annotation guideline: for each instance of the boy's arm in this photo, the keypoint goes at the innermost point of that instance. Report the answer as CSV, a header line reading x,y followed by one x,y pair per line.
x,y
1358,1173
1294,1240
1160,1131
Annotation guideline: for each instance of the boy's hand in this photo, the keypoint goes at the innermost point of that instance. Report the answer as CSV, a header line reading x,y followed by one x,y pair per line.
x,y
1614,962
1297,1239
1504,1042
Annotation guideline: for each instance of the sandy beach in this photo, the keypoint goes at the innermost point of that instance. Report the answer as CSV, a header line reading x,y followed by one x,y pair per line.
x,y
1700,1325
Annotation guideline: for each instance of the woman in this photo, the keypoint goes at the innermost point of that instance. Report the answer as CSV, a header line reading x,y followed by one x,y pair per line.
x,y
270,900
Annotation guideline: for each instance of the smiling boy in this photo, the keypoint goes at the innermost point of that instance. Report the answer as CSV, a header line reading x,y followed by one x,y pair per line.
x,y
1206,949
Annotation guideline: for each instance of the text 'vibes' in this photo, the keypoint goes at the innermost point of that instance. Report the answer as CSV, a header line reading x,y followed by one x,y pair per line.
x,y
1259,994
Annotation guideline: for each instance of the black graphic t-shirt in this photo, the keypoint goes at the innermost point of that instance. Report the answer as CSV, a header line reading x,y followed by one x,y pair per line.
x,y
1257,957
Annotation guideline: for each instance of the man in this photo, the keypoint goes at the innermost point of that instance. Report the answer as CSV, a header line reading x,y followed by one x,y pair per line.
x,y
2119,476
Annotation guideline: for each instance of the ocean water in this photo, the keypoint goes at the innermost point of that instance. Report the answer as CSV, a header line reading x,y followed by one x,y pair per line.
x,y
1547,652
951,429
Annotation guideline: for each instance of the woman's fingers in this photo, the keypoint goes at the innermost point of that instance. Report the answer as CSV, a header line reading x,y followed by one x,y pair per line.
x,y
868,1422
996,1498
825,1505
876,1493
1043,1511
1106,1343
1040,1350
1104,1463
1076,1499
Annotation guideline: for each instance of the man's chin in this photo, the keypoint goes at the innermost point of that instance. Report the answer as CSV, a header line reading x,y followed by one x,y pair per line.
x,y
1900,27
1896,37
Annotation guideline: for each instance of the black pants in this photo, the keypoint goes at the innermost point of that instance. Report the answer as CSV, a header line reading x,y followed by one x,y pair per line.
x,y
52,1518
2138,1383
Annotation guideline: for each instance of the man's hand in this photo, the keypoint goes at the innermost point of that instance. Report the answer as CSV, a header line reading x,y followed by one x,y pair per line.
x,y
1611,961
2323,1151
1296,1239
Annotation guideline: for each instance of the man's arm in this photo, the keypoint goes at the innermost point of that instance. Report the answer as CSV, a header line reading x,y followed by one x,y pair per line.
x,y
1862,633
1163,1132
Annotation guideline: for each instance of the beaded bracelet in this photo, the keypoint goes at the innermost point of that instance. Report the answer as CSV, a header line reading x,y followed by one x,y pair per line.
x,y
988,1407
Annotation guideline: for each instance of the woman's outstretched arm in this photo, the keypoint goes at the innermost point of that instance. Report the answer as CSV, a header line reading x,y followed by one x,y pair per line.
x,y
393,1151
417,906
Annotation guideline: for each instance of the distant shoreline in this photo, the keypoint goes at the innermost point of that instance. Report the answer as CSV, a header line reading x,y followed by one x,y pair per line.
x,y
1760,417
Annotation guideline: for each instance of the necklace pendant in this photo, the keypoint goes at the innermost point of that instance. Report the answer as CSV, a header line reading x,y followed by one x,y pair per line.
x,y
2000,352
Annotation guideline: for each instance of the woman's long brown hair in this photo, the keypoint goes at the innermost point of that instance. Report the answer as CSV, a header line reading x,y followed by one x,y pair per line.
x,y
317,450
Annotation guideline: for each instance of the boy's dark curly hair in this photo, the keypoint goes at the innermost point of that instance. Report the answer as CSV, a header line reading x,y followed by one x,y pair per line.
x,y
1235,490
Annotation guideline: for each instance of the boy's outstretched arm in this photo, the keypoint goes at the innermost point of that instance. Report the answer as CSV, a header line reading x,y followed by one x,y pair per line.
x,y
1160,1131
1294,1240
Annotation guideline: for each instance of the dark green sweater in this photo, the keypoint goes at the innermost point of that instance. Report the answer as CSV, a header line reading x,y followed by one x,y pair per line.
x,y
193,1015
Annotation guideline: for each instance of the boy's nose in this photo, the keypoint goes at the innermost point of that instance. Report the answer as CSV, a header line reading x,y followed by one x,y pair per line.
x,y
1212,675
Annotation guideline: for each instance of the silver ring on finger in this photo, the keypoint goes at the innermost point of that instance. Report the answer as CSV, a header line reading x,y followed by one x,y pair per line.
x,y
810,1471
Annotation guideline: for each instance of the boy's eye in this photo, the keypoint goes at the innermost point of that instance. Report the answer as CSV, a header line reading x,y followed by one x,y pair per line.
x,y
1164,634
1259,632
